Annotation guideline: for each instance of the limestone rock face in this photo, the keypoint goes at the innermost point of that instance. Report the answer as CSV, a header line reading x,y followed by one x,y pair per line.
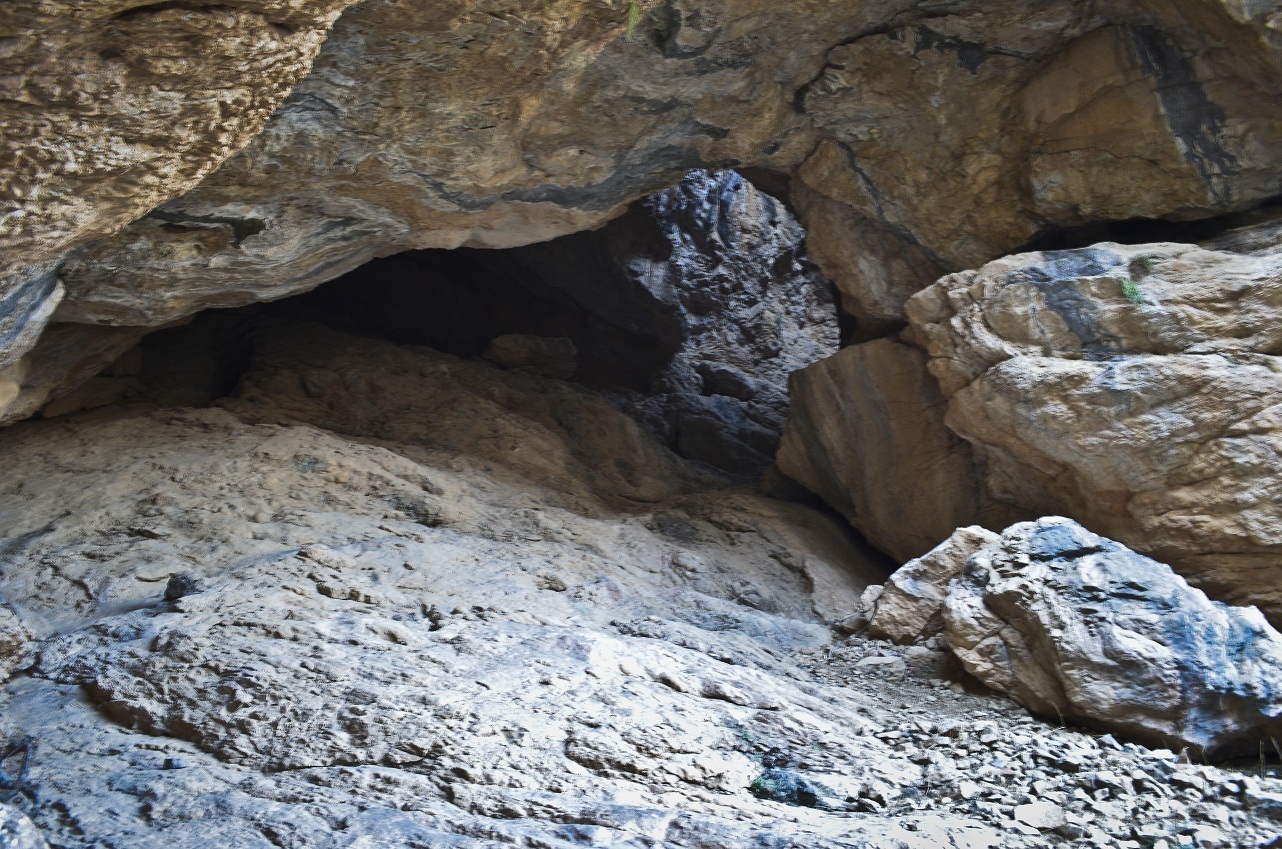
x,y
1134,389
866,433
972,132
109,108
1072,624
932,140
726,265
876,269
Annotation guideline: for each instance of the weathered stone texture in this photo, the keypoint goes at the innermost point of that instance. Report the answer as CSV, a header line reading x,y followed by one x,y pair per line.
x,y
866,433
926,141
1075,625
110,107
1153,421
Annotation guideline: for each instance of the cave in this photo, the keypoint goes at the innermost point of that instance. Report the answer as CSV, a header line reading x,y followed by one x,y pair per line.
x,y
646,424
689,312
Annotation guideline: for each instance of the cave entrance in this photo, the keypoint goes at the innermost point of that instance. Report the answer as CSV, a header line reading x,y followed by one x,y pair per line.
x,y
688,312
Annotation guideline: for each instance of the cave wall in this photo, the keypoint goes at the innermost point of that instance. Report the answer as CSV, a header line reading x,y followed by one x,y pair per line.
x,y
690,311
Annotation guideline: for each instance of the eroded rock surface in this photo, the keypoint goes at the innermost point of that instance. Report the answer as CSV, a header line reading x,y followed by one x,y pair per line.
x,y
910,604
111,107
1133,388
1075,625
17,831
726,264
926,140
690,312
387,595
866,433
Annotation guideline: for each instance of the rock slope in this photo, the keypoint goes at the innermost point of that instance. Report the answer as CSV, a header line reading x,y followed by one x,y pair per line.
x,y
384,596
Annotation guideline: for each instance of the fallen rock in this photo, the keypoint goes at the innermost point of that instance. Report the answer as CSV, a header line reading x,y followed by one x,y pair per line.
x,y
1077,626
910,605
1043,816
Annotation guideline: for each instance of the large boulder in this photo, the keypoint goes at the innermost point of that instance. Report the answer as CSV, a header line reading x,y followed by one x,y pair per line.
x,y
1077,626
1133,388
866,433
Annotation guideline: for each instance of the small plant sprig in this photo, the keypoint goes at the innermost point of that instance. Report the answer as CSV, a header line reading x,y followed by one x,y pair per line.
x,y
1131,291
634,18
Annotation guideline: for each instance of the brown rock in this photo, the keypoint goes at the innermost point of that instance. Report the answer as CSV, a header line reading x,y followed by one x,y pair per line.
x,y
866,434
15,642
875,269
1152,421
935,143
973,132
548,356
110,107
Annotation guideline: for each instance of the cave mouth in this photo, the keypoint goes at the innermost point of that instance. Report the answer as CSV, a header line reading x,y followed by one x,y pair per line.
x,y
689,313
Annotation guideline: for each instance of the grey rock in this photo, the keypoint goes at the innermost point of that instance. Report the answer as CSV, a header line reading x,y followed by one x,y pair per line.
x,y
1042,816
1078,626
1264,803
181,585
910,604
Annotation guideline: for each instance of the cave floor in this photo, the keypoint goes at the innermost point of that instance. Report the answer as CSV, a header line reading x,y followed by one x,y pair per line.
x,y
384,597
